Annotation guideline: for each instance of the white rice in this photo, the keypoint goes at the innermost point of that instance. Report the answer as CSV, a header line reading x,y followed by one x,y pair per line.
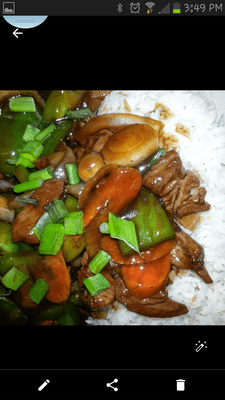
x,y
202,113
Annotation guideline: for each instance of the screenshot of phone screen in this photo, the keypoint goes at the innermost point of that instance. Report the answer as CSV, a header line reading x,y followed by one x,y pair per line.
x,y
112,222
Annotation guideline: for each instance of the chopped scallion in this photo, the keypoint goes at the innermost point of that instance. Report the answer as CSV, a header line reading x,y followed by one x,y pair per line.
x,y
32,150
30,133
26,200
73,224
45,132
25,162
45,174
22,104
14,278
23,187
99,261
57,210
38,290
124,230
96,284
79,114
52,239
38,229
73,177
104,227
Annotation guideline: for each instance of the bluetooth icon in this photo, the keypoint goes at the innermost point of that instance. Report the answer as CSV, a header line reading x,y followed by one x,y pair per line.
x,y
119,7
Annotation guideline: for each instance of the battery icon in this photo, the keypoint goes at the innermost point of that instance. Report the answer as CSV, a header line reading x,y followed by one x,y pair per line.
x,y
176,8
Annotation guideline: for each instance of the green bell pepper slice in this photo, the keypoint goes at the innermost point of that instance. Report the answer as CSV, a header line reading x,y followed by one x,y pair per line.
x,y
60,101
151,222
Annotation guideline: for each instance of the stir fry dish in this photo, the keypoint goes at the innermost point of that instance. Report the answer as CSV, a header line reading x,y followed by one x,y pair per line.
x,y
91,211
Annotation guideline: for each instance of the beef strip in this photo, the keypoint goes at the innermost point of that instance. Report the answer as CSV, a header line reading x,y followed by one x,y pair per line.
x,y
165,309
188,254
175,187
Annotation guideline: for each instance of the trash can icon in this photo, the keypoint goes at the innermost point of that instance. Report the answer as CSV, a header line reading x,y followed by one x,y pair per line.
x,y
180,384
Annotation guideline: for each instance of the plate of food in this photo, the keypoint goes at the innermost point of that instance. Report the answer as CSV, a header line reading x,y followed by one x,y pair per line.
x,y
112,207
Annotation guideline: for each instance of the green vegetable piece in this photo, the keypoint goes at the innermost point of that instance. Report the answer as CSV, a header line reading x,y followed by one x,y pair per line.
x,y
71,203
30,133
10,313
43,134
151,222
26,161
79,114
44,174
71,170
14,278
23,187
6,244
60,132
60,101
104,227
12,128
32,150
52,239
26,200
21,260
146,165
50,311
21,172
70,316
72,247
124,230
38,290
99,261
22,104
73,224
96,284
57,210
44,220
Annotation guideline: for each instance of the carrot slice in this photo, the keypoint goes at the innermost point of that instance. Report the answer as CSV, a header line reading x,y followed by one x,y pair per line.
x,y
117,191
145,280
53,270
111,246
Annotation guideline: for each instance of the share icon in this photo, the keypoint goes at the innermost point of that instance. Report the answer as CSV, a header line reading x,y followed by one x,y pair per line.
x,y
110,385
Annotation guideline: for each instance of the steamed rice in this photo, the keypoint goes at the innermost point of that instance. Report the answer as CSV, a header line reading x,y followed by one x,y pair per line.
x,y
202,152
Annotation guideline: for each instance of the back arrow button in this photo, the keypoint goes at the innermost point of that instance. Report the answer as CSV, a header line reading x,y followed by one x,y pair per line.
x,y
15,33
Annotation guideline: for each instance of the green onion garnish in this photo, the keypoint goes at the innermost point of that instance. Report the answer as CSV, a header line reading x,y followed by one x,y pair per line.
x,y
45,174
22,104
57,210
25,162
124,230
38,229
79,114
21,172
73,177
14,278
23,187
104,227
26,200
45,132
52,239
32,150
99,261
30,133
96,284
38,290
73,224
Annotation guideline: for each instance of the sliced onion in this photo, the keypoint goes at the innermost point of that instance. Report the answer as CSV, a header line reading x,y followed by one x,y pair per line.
x,y
6,214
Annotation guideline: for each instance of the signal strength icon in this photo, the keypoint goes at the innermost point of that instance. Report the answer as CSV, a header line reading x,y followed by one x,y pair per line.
x,y
166,9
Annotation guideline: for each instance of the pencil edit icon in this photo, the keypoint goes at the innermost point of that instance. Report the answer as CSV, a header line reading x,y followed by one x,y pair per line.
x,y
43,385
